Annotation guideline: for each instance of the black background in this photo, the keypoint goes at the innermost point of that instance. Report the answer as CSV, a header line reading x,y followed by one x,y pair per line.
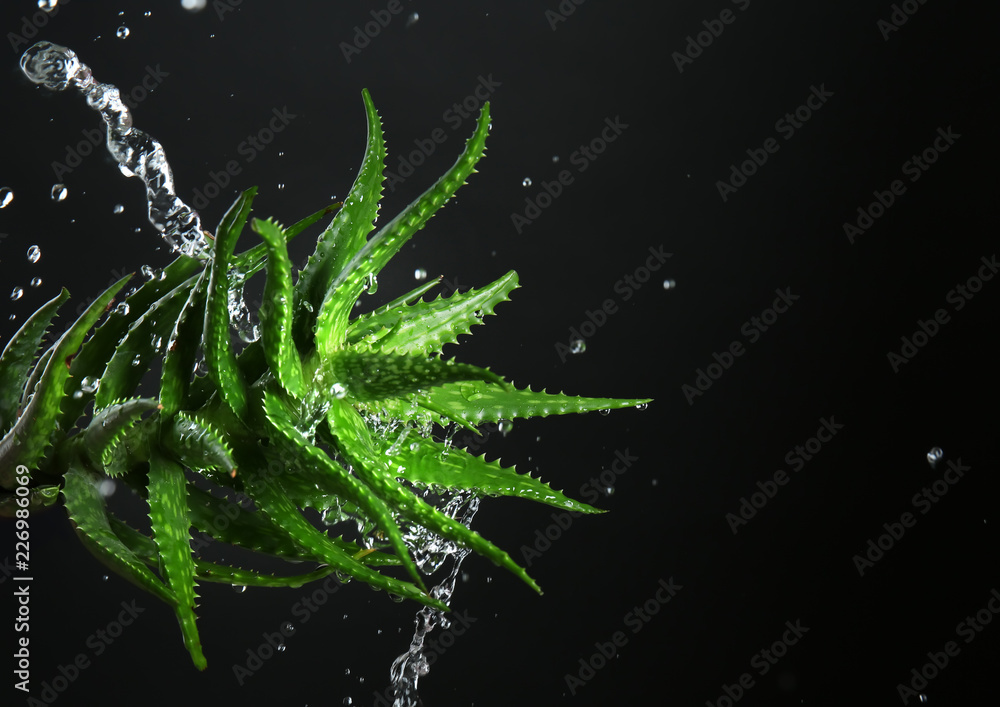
x,y
225,70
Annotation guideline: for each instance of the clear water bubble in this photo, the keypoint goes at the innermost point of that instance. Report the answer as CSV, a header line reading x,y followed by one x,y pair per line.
x,y
59,192
606,411
526,182
412,19
555,158
148,272
419,274
934,456
6,196
34,254
36,282
16,294
122,309
194,5
338,391
89,384
118,208
577,346
281,647
371,283
104,578
669,284
239,588
281,185
122,32
642,406
505,427
48,5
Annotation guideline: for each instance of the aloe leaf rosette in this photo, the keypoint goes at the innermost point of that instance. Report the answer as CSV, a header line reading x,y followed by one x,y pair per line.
x,y
328,410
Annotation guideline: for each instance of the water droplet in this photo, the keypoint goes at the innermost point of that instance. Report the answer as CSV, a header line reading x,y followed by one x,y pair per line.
x,y
609,491
371,283
281,647
104,578
577,346
934,456
122,32
89,384
239,588
34,254
194,5
555,158
59,192
48,5
489,580
147,13
642,406
6,196
466,576
348,701
655,482
12,317
36,282
147,272
347,671
606,411
106,487
923,698
419,274
338,391
281,185
122,309
288,628
16,294
505,426
669,284
526,182
118,208
412,19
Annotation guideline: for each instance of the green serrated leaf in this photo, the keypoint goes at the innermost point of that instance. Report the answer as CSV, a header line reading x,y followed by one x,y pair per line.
x,y
168,514
19,355
276,313
112,422
182,349
85,508
429,463
196,445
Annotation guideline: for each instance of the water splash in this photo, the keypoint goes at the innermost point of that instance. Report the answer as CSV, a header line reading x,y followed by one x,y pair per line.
x,y
430,555
57,68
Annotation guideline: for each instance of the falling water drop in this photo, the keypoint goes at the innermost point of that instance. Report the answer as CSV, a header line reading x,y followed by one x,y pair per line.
x,y
34,254
6,196
36,282
59,192
16,294
526,182
577,346
194,5
239,588
934,456
118,208
669,284
412,19
122,32
48,5
419,274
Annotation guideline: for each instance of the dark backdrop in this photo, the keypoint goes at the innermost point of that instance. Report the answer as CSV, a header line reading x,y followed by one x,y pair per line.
x,y
667,102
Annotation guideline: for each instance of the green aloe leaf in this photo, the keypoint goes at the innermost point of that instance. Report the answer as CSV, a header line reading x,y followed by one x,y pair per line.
x,y
19,355
182,350
39,498
428,463
355,439
426,327
111,422
367,376
219,356
346,234
168,514
196,445
28,439
331,323
85,508
251,261
476,402
276,314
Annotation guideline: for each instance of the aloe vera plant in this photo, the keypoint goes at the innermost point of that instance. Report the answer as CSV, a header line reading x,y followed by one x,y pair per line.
x,y
323,411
